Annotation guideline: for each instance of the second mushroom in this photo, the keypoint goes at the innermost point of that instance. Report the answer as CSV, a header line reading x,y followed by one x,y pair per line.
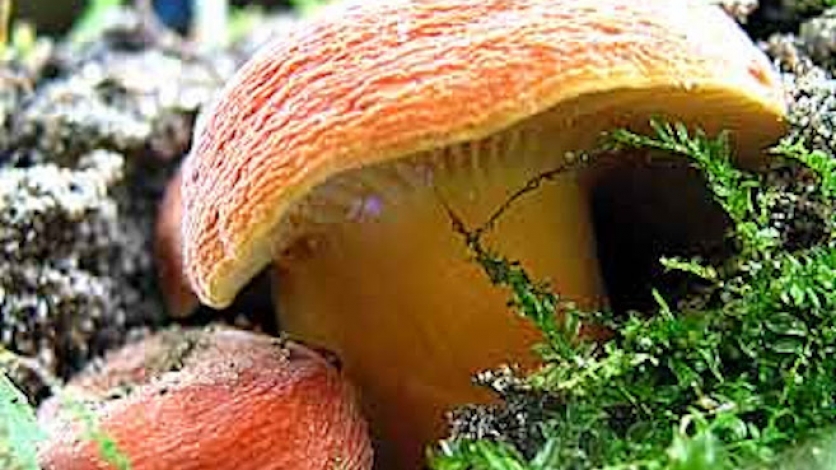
x,y
332,155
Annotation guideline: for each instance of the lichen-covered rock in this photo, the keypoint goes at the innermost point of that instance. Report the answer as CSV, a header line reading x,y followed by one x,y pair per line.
x,y
807,59
813,111
66,280
818,37
123,93
88,140
516,421
14,85
811,93
89,137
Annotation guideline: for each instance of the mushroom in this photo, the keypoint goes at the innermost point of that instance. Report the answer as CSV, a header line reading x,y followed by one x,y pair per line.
x,y
179,299
331,156
211,398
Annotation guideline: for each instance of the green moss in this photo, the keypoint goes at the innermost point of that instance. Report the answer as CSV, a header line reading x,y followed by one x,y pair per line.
x,y
731,376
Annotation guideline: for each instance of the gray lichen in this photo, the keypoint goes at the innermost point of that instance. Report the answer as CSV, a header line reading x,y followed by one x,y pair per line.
x,y
813,109
811,89
65,290
123,93
818,37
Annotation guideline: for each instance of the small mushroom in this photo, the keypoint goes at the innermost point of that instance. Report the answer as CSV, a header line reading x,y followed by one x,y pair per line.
x,y
332,155
211,399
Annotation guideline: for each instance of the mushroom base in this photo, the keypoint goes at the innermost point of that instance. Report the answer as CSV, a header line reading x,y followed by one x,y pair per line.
x,y
394,292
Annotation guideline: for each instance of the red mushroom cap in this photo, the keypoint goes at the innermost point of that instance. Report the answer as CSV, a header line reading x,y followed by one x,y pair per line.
x,y
214,399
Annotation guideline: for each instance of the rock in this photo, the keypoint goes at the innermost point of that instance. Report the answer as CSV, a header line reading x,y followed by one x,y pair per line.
x,y
88,140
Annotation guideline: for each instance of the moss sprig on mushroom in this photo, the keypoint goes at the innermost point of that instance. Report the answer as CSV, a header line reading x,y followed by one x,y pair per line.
x,y
730,376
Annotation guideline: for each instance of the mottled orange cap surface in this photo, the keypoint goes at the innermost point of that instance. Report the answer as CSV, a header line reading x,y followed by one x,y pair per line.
x,y
371,82
211,399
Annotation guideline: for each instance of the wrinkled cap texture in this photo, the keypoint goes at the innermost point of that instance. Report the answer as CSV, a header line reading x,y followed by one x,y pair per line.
x,y
372,82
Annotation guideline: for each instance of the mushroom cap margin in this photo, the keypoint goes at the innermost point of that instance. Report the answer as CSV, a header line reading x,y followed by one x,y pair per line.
x,y
370,83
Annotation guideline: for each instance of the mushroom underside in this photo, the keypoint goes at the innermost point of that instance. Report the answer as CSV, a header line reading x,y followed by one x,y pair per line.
x,y
369,265
640,207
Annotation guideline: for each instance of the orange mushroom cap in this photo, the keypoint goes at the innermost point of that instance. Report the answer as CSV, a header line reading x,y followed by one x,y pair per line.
x,y
179,299
212,399
372,82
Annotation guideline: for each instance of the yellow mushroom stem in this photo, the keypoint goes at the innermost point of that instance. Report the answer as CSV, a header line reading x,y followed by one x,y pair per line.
x,y
384,280
395,294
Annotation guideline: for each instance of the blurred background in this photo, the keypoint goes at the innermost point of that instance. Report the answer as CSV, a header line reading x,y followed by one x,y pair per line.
x,y
55,17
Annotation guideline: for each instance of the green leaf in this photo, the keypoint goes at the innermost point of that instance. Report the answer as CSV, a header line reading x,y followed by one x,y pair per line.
x,y
783,323
308,7
700,452
19,430
93,18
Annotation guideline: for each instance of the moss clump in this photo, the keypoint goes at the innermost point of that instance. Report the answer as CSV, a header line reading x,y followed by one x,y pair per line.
x,y
729,376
